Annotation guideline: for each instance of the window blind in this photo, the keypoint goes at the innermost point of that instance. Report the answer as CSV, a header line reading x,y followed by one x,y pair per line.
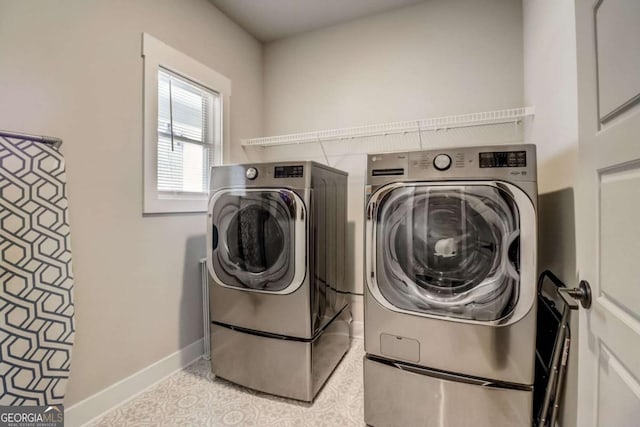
x,y
188,134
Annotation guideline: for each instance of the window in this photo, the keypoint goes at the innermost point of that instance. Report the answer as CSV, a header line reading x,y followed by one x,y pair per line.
x,y
185,128
188,141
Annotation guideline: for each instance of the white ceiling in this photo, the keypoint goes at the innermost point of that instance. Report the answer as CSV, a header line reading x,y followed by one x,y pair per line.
x,y
270,20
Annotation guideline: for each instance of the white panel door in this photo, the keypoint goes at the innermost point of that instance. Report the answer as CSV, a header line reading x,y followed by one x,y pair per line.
x,y
608,214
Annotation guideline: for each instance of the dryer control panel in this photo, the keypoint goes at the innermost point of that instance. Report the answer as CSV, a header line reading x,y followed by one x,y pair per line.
x,y
295,171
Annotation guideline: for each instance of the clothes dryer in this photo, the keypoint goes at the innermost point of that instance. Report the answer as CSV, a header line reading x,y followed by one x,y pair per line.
x,y
276,256
450,287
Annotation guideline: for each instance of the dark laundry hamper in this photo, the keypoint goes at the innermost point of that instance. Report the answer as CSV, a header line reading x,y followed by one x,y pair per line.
x,y
36,279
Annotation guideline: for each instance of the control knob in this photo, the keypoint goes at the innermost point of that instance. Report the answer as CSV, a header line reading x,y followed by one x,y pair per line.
x,y
251,173
442,162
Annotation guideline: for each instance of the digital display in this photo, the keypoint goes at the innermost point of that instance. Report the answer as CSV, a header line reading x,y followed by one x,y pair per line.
x,y
288,171
387,172
503,159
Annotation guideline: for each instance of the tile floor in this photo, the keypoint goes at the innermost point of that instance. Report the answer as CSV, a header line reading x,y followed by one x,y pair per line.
x,y
194,397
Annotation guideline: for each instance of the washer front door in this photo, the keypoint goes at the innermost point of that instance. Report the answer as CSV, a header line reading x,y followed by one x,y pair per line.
x,y
257,240
446,250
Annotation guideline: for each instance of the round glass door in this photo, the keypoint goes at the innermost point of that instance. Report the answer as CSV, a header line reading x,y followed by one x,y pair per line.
x,y
448,250
254,235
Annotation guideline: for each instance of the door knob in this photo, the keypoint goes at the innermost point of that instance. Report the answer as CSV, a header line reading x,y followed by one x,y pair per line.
x,y
582,294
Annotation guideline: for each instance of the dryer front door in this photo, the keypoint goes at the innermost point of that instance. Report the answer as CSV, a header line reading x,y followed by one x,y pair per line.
x,y
256,237
256,256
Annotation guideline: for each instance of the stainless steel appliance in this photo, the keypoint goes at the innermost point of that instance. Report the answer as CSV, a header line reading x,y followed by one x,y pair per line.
x,y
450,291
276,255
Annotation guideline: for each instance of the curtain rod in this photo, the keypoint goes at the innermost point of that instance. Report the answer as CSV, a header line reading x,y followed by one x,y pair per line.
x,y
55,142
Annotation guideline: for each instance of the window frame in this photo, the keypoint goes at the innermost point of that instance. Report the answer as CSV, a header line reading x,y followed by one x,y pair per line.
x,y
157,55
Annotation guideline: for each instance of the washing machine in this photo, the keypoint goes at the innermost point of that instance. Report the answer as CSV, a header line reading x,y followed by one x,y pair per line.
x,y
450,270
276,258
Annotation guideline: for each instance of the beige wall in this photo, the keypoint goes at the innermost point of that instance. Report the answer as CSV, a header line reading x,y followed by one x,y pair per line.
x,y
72,69
550,83
432,59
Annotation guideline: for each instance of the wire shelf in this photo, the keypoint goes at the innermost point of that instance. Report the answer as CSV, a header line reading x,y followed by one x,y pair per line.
x,y
512,115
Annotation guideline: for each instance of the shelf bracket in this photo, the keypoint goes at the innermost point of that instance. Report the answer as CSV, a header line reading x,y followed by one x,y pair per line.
x,y
324,153
419,134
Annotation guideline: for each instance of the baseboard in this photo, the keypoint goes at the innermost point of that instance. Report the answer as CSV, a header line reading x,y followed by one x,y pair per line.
x,y
124,390
357,329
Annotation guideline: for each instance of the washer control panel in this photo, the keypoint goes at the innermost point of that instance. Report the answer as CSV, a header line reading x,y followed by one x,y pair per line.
x,y
509,162
503,159
442,162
